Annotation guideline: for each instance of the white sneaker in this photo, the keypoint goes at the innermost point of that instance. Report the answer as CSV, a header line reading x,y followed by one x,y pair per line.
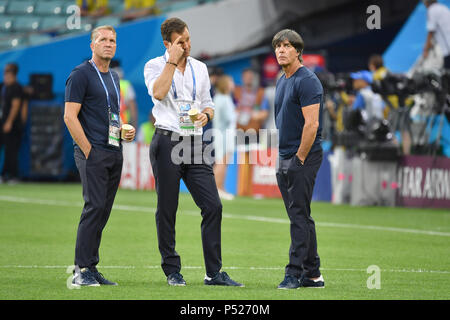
x,y
225,195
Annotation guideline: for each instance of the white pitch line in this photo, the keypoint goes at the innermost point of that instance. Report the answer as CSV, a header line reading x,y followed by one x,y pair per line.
x,y
229,268
229,216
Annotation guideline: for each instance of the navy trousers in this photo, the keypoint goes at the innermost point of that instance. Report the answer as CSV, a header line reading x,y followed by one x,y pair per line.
x,y
199,179
100,178
296,183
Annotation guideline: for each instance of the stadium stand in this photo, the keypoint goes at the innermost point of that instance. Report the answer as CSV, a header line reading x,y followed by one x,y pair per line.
x,y
33,22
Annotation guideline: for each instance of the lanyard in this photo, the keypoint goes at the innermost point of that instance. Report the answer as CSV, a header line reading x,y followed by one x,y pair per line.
x,y
104,86
194,84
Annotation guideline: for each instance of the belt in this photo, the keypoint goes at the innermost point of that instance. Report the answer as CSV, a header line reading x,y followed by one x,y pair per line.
x,y
163,132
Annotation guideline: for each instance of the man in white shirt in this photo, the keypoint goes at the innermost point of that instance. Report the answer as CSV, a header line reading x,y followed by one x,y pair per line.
x,y
438,27
178,83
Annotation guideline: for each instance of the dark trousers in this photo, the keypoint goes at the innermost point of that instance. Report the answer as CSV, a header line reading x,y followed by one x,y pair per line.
x,y
199,179
296,183
11,141
100,177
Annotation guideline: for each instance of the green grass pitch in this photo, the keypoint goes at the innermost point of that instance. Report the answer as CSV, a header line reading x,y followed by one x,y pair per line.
x,y
38,224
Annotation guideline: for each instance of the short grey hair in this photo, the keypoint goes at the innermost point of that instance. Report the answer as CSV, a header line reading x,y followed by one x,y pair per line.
x,y
294,39
95,32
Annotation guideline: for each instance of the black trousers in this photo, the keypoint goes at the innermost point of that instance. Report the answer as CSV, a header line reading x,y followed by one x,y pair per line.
x,y
11,141
100,178
296,183
199,179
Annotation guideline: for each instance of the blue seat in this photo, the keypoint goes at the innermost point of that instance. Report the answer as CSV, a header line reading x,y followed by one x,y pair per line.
x,y
53,23
50,7
20,7
116,6
26,23
3,6
12,42
35,39
5,23
86,25
180,5
110,21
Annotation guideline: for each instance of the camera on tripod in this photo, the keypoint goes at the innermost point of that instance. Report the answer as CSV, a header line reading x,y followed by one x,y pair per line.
x,y
403,86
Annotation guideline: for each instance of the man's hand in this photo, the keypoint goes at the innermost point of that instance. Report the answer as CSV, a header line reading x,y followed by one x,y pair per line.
x,y
129,136
87,152
7,127
300,158
175,51
202,120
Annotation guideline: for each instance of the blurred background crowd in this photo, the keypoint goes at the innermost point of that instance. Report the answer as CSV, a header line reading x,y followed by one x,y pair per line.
x,y
386,87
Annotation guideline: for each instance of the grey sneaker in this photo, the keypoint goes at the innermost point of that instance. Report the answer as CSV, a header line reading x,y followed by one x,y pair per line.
x,y
84,277
176,279
101,279
222,279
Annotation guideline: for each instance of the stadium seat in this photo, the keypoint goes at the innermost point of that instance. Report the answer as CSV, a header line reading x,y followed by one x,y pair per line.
x,y
12,42
111,21
20,7
179,5
86,26
3,6
54,22
50,7
35,39
116,6
5,23
26,23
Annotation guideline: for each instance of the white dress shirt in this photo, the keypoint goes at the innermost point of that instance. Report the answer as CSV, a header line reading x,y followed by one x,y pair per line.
x,y
438,21
166,110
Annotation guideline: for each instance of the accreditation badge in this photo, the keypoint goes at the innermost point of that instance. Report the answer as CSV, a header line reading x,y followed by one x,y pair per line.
x,y
114,129
187,127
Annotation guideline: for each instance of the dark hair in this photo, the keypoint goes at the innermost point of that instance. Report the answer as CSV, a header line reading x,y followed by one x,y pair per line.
x,y
294,39
376,60
12,67
172,25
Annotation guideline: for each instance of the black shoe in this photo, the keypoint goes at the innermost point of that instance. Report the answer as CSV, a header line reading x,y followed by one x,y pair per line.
x,y
222,279
176,279
290,282
308,283
84,277
101,279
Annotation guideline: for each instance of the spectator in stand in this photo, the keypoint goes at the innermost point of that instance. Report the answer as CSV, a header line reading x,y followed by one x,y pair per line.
x,y
366,99
379,71
214,74
252,111
128,105
147,130
135,9
250,102
10,122
93,8
438,27
224,123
